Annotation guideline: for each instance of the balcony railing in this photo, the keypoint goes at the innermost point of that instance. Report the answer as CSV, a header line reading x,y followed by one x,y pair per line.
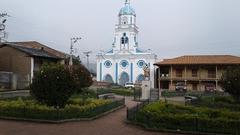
x,y
202,77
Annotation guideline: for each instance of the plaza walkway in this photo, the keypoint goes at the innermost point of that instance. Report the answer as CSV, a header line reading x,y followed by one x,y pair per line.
x,y
111,124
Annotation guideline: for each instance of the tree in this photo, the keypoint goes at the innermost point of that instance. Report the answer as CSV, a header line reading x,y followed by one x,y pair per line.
x,y
231,81
82,77
53,85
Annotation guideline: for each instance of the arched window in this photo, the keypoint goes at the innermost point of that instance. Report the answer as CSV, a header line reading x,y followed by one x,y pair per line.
x,y
140,78
126,40
122,40
124,78
108,78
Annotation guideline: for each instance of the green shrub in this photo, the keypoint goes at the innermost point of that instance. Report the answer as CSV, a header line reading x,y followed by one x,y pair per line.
x,y
31,109
231,81
160,115
168,93
117,91
82,77
218,102
53,85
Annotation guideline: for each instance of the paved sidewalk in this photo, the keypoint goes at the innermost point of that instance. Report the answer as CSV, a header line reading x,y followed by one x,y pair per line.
x,y
112,124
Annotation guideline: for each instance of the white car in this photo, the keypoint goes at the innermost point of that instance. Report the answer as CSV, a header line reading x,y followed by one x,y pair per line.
x,y
129,85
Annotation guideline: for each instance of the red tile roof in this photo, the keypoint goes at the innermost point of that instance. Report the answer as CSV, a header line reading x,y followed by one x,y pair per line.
x,y
201,60
37,45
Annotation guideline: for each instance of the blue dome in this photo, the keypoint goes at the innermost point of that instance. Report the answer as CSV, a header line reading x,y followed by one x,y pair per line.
x,y
127,10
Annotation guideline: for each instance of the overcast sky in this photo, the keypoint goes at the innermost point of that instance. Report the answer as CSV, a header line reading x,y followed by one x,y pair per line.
x,y
168,27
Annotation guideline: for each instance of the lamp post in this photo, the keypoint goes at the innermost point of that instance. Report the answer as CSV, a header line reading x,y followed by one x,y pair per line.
x,y
73,41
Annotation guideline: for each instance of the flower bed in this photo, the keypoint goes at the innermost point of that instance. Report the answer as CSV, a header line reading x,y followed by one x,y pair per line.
x,y
163,116
75,109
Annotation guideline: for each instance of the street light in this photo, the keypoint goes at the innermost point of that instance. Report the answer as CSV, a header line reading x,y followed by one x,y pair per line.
x,y
73,41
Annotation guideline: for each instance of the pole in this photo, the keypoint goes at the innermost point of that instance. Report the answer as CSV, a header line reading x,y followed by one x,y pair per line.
x,y
73,41
71,54
87,55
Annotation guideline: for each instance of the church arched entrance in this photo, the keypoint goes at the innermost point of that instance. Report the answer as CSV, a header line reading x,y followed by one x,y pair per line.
x,y
108,78
124,78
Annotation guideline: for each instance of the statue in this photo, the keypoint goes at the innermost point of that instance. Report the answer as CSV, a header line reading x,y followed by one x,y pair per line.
x,y
146,72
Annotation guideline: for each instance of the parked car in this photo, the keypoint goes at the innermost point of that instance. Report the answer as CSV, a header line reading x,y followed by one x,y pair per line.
x,y
129,85
190,99
180,86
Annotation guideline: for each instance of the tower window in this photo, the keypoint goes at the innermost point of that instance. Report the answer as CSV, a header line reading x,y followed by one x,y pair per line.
x,y
122,40
126,40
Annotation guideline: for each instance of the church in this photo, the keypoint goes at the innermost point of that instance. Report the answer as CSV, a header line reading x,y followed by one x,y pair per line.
x,y
125,61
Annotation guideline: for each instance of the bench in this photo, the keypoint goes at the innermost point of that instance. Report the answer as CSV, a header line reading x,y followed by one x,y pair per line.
x,y
107,96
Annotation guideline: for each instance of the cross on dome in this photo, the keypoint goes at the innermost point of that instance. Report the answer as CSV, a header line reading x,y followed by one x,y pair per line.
x,y
127,2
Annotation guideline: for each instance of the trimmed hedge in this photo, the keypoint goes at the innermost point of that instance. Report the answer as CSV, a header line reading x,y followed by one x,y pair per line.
x,y
30,109
118,91
169,94
186,118
218,102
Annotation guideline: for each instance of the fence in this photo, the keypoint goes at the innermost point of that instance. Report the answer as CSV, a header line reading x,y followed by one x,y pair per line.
x,y
34,112
182,124
132,112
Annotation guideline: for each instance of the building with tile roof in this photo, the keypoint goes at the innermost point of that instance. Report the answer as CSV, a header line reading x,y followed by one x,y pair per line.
x,y
21,59
195,72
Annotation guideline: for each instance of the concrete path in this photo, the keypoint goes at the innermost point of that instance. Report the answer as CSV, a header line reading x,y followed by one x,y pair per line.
x,y
112,124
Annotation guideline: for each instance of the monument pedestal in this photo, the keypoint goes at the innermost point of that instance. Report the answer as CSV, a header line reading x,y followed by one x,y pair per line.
x,y
146,86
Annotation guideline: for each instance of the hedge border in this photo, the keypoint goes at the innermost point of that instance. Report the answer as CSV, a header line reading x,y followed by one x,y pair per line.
x,y
65,120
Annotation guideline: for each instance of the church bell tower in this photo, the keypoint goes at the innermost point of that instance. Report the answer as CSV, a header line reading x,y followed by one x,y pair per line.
x,y
126,31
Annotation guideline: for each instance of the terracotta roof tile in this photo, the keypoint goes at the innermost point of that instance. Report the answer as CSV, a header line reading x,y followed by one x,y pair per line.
x,y
31,51
37,45
201,59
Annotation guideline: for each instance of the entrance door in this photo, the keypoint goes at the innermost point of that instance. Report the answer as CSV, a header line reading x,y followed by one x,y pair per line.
x,y
124,78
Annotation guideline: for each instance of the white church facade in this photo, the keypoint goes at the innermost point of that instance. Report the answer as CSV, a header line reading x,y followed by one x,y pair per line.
x,y
125,61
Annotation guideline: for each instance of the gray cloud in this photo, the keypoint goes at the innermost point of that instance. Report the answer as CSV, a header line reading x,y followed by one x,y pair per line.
x,y
169,27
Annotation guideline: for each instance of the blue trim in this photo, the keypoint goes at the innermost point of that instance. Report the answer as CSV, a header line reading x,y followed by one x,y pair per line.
x,y
100,71
110,51
131,72
116,75
139,51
